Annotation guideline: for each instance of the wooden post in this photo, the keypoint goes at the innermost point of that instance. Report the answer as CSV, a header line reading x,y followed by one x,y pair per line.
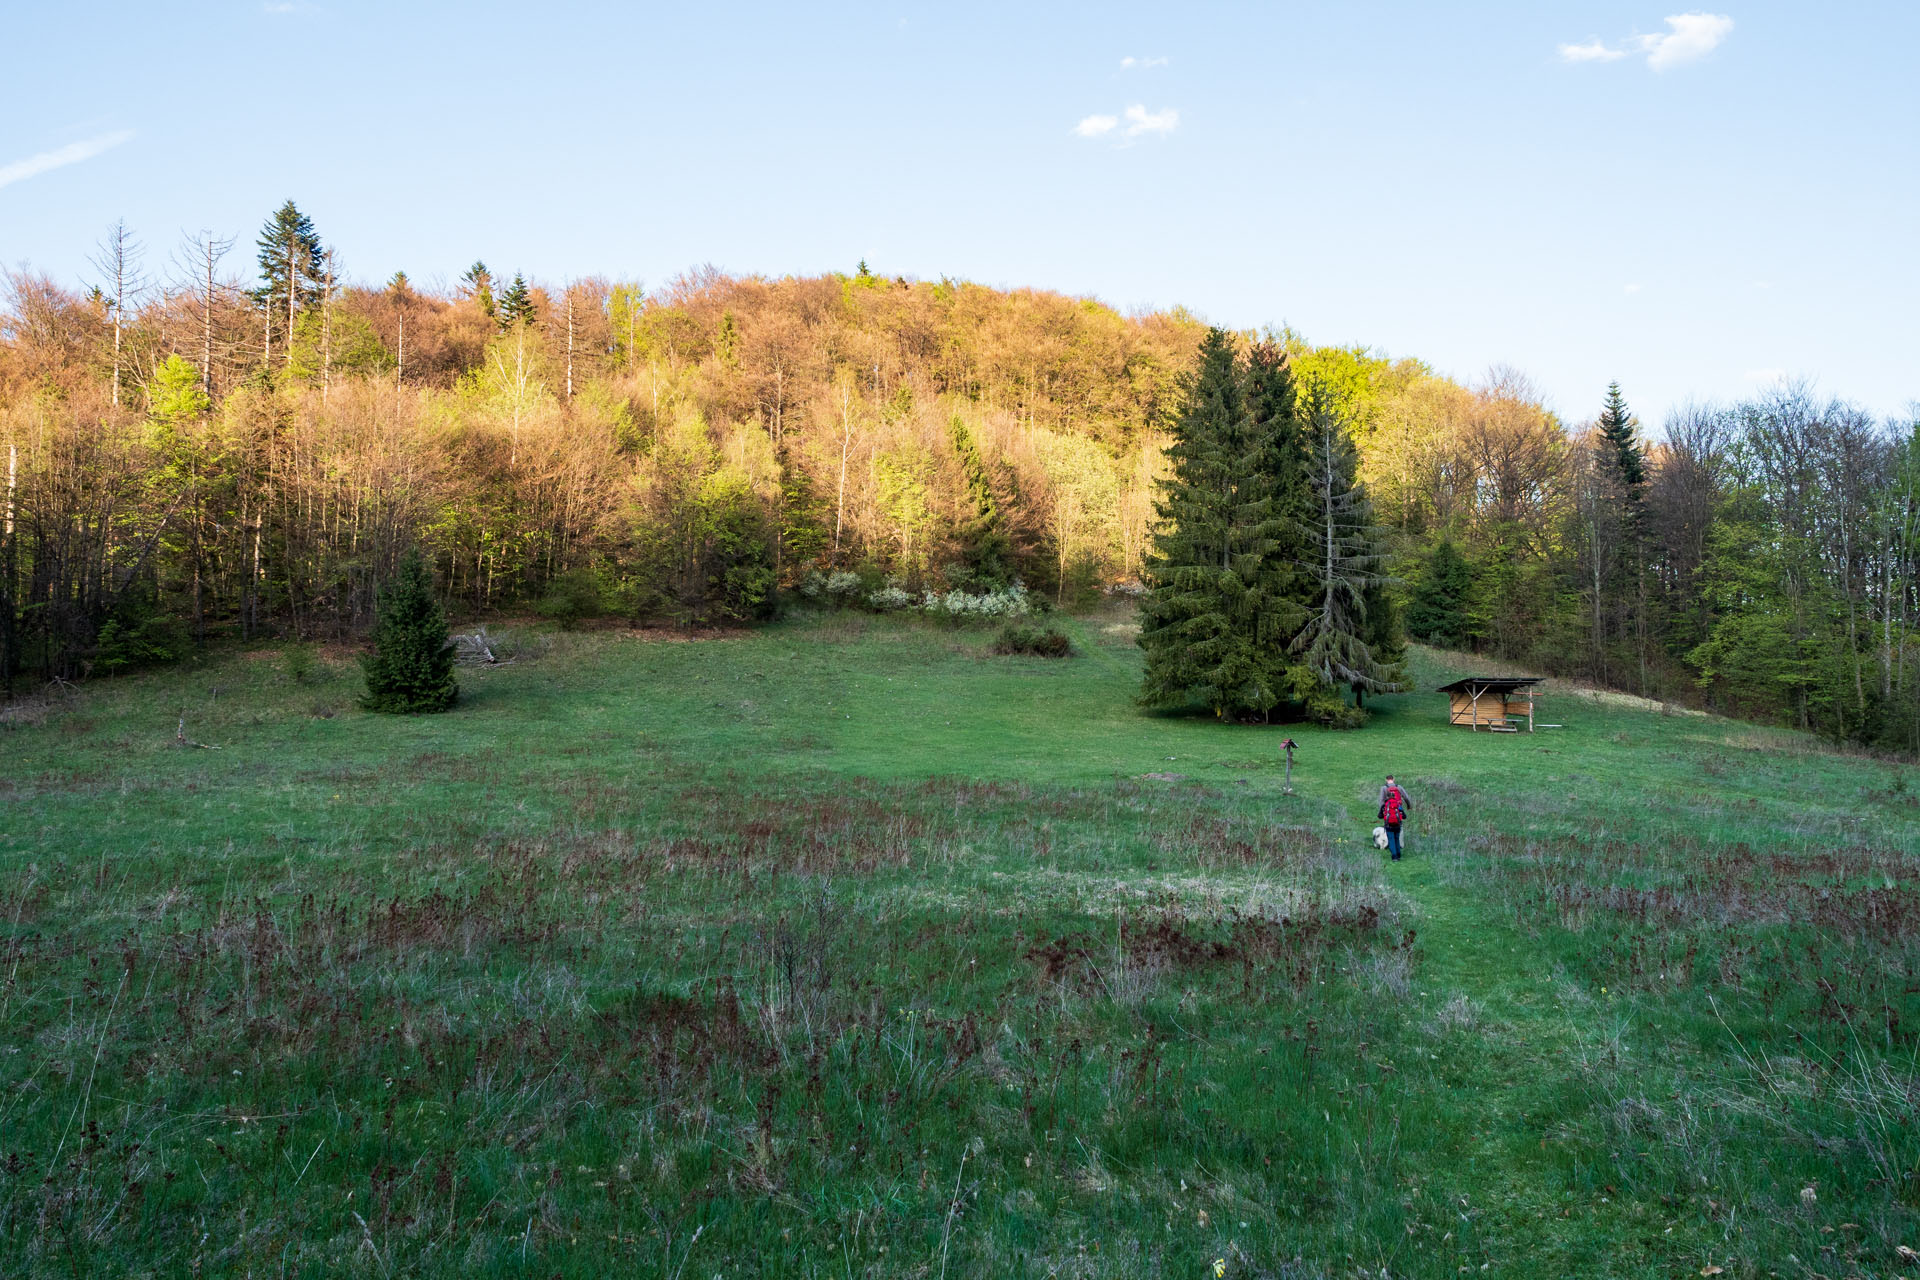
x,y
1473,711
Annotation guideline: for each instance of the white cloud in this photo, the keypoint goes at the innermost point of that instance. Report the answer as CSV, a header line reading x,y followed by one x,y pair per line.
x,y
72,153
1593,50
1131,63
1140,120
1689,37
1635,288
1693,35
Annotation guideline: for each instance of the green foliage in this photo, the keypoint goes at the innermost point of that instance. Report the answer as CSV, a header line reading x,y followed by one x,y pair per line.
x,y
411,667
139,633
292,262
731,527
986,551
1032,638
1437,611
575,596
1351,635
355,349
478,282
1217,615
176,397
1620,430
702,543
516,304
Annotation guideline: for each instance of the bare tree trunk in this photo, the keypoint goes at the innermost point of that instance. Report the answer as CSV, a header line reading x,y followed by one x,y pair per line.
x,y
569,344
293,292
206,250
118,259
9,646
326,333
206,328
840,497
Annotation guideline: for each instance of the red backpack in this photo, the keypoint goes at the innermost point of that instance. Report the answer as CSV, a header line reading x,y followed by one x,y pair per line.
x,y
1394,811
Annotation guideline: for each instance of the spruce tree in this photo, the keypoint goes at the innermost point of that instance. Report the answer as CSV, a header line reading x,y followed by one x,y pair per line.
x,y
985,549
1340,645
1625,462
1437,613
1620,429
479,282
1216,616
411,667
516,304
293,271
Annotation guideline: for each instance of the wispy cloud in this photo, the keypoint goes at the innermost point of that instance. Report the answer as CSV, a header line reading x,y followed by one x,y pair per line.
x,y
1691,36
1594,50
1135,122
61,157
1140,120
1131,63
1688,38
1634,288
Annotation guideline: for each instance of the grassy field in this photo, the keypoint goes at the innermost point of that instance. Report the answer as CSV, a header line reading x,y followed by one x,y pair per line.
x,y
846,948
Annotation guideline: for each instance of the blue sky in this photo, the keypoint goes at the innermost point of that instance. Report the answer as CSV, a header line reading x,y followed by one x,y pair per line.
x,y
1692,201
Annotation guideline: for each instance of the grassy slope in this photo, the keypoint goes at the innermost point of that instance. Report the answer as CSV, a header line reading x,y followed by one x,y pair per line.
x,y
726,958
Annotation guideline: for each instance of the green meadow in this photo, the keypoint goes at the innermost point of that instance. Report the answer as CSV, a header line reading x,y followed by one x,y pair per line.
x,y
848,948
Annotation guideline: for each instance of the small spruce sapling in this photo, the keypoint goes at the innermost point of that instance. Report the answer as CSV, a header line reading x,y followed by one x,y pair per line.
x,y
411,667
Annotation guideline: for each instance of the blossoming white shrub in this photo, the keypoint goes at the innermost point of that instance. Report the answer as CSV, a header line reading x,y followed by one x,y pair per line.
x,y
890,598
843,589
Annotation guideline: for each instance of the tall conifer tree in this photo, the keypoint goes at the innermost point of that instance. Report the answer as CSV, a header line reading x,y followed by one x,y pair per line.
x,y
1350,637
293,273
1625,464
1215,619
1620,429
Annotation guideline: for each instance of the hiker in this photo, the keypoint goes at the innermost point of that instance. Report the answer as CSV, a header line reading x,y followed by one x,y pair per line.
x,y
1394,809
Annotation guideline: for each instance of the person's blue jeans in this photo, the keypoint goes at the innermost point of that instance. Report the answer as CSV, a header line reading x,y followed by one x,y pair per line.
x,y
1393,840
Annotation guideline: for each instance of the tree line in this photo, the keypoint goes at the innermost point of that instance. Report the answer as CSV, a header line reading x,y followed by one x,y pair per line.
x,y
194,454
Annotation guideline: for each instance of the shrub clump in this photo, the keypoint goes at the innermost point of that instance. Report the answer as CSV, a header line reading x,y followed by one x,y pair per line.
x,y
844,590
1042,642
411,667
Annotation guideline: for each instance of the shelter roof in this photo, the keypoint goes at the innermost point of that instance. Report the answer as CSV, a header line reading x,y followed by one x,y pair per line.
x,y
1484,684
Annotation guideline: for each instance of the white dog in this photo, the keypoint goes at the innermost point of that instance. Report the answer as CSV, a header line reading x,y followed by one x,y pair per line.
x,y
1379,837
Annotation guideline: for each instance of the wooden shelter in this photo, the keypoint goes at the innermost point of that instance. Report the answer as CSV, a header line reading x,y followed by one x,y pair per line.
x,y
1499,704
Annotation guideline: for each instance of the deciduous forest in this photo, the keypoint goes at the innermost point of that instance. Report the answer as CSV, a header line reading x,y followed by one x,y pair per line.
x,y
233,441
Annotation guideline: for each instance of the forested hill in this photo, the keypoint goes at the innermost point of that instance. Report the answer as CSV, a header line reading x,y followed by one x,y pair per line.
x,y
192,456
